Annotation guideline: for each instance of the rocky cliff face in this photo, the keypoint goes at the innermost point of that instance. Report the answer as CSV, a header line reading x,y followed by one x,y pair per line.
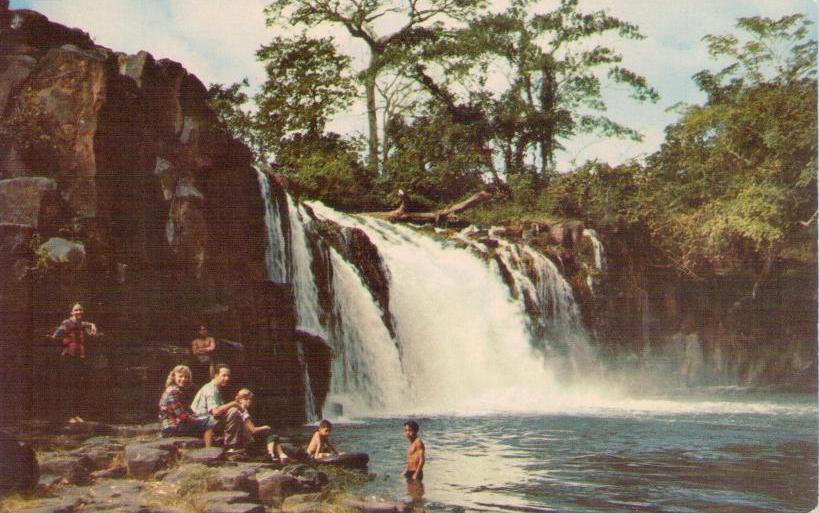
x,y
118,189
683,329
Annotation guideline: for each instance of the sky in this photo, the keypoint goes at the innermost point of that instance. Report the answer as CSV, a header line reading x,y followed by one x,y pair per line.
x,y
216,40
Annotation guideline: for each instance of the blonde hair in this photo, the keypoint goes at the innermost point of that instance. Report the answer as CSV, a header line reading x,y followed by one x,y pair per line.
x,y
182,369
244,394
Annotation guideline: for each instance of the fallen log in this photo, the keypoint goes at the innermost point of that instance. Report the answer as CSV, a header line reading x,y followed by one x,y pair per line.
x,y
449,213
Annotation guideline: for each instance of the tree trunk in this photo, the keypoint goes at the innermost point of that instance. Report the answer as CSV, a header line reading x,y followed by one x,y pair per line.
x,y
548,98
447,214
372,115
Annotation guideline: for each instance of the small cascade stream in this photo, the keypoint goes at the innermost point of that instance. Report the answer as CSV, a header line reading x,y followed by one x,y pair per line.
x,y
276,251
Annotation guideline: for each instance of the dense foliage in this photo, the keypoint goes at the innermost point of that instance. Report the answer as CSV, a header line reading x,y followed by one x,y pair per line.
x,y
733,186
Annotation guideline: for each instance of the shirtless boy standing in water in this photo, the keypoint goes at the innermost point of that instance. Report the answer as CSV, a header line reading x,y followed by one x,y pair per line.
x,y
414,470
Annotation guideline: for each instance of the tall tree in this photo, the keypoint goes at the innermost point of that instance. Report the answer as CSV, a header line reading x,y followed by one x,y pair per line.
x,y
555,76
735,182
420,20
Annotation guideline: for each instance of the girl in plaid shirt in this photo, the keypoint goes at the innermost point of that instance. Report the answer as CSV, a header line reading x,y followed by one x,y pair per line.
x,y
176,418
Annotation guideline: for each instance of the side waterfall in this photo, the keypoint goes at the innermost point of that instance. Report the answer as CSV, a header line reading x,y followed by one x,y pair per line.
x,y
276,251
290,263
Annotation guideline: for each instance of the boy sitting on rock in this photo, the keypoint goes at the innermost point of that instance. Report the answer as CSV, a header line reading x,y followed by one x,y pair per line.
x,y
320,445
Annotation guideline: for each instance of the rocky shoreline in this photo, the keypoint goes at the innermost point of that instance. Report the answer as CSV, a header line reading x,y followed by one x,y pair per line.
x,y
96,467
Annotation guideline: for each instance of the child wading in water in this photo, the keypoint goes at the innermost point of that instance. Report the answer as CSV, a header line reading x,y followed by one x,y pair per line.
x,y
320,445
414,469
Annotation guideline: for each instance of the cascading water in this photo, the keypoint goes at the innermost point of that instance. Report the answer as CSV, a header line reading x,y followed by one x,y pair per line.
x,y
465,343
462,342
555,321
290,263
599,251
593,279
276,251
366,370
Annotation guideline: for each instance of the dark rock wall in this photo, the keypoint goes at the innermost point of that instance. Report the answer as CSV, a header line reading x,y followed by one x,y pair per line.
x,y
120,157
710,330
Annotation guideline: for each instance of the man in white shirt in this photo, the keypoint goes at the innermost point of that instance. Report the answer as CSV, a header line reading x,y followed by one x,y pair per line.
x,y
208,402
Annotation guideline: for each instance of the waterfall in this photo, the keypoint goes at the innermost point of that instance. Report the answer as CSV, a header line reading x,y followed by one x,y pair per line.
x,y
471,332
291,263
593,279
599,251
310,412
465,342
555,320
366,370
276,252
304,283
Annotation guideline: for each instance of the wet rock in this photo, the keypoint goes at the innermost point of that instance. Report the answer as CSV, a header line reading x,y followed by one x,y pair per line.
x,y
236,479
566,233
372,506
238,507
274,486
207,456
64,253
143,460
19,471
310,479
23,200
72,469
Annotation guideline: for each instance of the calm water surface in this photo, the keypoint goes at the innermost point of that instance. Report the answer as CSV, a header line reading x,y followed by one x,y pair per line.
x,y
752,456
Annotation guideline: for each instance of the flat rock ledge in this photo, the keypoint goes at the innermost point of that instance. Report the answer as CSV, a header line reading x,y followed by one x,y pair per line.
x,y
102,468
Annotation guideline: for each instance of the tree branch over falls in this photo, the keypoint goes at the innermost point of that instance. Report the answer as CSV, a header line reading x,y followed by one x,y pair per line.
x,y
401,214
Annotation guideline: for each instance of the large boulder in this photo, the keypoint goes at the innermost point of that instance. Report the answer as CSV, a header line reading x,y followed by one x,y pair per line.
x,y
19,471
240,478
143,461
63,253
274,486
64,95
71,469
99,452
